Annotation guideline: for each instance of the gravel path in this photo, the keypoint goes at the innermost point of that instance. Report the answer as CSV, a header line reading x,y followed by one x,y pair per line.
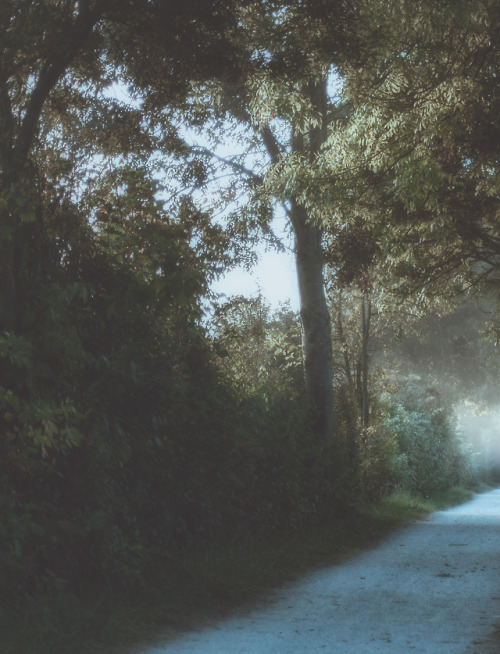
x,y
431,587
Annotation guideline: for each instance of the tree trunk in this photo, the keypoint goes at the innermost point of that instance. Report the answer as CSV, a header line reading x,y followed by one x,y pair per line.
x,y
343,343
316,322
17,133
366,312
8,272
316,325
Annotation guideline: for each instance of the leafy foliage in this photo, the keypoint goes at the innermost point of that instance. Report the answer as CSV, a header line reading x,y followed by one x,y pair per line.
x,y
430,458
416,152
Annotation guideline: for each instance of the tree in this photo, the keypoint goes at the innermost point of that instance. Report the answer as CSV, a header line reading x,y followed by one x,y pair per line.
x,y
419,149
352,320
27,77
99,286
353,287
57,62
280,99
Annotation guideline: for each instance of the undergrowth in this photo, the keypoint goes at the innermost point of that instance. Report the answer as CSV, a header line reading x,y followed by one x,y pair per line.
x,y
183,593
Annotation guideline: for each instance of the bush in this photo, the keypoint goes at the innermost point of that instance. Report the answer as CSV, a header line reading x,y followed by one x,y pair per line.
x,y
428,457
144,448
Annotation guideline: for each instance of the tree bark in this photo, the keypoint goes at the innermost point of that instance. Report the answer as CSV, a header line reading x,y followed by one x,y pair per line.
x,y
345,353
366,313
316,324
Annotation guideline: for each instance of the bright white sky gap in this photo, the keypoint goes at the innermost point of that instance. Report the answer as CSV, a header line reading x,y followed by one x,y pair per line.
x,y
274,277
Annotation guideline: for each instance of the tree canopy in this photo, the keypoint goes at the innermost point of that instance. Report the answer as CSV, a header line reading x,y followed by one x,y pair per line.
x,y
421,142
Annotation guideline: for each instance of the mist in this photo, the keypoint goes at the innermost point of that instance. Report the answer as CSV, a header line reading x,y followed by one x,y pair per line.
x,y
480,427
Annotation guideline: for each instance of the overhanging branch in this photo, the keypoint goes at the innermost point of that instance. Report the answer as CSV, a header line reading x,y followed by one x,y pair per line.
x,y
235,165
53,69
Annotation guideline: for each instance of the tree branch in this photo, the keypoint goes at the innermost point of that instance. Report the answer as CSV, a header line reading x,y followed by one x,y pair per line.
x,y
240,168
271,143
6,122
317,92
52,71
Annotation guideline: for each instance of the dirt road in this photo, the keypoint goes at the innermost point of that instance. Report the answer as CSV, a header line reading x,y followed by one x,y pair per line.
x,y
432,587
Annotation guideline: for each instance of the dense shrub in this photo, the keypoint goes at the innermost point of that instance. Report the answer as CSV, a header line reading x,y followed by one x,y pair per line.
x,y
377,454
412,444
143,447
428,456
130,435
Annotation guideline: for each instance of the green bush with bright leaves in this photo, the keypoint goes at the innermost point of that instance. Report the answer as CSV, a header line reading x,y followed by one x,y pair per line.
x,y
428,456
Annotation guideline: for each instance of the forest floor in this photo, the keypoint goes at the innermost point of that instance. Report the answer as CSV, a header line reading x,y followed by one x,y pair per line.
x,y
433,586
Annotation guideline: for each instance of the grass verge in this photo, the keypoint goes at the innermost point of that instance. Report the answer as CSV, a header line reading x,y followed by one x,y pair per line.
x,y
187,592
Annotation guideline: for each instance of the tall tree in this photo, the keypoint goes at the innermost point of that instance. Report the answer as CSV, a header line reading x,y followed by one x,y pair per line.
x,y
37,49
280,98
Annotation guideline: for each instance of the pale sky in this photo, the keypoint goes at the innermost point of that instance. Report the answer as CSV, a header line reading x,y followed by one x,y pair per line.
x,y
275,275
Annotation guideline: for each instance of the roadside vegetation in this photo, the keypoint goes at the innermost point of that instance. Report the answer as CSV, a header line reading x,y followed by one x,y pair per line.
x,y
165,452
182,594
156,534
